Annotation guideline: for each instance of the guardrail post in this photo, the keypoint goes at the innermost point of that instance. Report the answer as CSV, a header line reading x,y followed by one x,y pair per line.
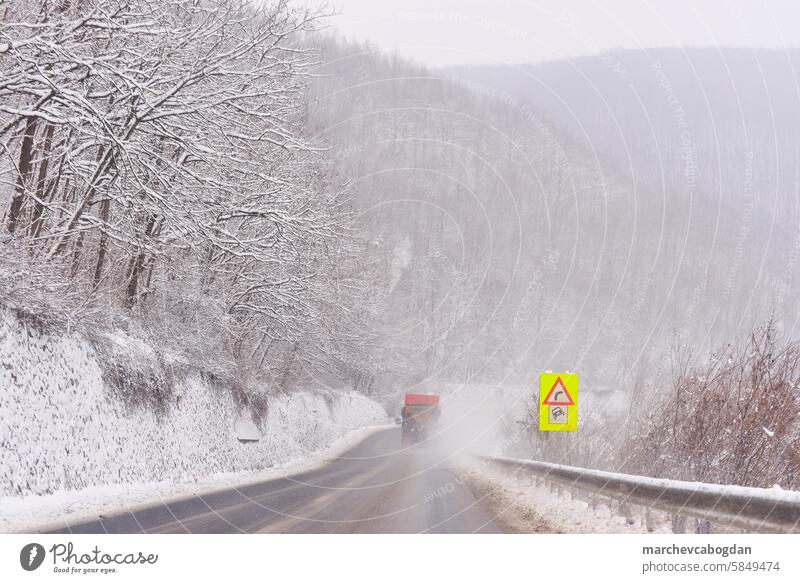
x,y
625,507
649,520
678,524
627,512
702,526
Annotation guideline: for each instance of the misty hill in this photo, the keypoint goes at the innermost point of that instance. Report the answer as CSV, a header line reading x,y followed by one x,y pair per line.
x,y
705,139
518,233
642,111
488,231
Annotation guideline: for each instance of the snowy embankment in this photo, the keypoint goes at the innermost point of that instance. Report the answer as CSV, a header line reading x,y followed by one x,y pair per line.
x,y
32,513
525,506
560,495
62,428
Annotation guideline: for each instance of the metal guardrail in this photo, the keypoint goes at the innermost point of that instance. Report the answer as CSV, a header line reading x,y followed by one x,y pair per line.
x,y
751,509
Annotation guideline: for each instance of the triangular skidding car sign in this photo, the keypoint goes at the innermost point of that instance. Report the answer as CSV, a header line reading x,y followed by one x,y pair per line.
x,y
558,401
558,395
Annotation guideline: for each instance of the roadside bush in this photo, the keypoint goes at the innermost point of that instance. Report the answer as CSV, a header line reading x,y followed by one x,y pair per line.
x,y
735,419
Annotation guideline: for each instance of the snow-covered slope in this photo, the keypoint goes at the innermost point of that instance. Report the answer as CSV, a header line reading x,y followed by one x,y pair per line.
x,y
63,428
42,513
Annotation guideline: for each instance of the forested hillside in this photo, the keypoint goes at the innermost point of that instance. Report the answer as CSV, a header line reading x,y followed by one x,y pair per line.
x,y
550,253
706,138
489,227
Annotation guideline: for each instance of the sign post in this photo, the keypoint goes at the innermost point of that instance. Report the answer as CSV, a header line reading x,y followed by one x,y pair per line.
x,y
558,402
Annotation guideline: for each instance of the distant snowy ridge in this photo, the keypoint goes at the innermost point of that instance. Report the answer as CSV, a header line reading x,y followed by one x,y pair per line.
x,y
63,428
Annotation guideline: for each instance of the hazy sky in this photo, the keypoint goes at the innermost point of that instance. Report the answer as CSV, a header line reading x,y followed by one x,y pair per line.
x,y
445,32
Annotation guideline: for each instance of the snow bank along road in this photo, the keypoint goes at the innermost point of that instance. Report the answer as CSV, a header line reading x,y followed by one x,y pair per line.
x,y
378,486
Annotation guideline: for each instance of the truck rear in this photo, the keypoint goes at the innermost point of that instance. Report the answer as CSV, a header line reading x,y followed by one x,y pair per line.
x,y
419,416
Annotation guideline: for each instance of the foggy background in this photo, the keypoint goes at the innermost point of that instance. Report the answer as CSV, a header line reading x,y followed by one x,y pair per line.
x,y
453,32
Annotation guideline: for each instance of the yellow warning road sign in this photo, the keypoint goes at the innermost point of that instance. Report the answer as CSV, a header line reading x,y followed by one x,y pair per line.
x,y
558,402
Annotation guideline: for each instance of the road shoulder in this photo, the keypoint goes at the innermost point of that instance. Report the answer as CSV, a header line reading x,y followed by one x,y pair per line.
x,y
505,508
520,504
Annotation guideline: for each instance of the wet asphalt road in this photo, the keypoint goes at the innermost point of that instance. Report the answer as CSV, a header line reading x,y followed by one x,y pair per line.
x,y
378,486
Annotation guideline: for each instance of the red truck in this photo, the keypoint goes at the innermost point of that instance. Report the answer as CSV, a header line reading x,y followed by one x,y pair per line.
x,y
419,415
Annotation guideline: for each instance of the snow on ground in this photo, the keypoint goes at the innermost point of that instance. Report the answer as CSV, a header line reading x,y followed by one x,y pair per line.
x,y
62,429
37,513
524,506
